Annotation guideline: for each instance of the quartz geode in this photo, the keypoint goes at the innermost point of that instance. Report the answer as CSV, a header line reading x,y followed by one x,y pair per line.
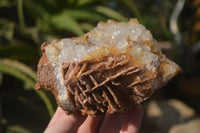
x,y
111,68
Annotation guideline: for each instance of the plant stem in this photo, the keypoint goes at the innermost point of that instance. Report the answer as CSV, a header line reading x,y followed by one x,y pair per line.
x,y
20,13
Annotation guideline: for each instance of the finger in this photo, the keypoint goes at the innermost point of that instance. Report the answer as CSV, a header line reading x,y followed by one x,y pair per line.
x,y
132,120
91,125
62,123
112,123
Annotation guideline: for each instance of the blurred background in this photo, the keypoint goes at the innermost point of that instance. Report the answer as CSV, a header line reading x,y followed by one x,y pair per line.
x,y
26,24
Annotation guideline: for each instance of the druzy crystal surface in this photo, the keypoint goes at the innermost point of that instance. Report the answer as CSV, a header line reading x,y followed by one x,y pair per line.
x,y
109,69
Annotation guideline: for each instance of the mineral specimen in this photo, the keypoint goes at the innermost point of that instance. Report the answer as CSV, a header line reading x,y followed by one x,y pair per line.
x,y
109,69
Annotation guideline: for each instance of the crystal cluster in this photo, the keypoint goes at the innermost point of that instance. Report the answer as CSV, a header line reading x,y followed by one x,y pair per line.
x,y
109,69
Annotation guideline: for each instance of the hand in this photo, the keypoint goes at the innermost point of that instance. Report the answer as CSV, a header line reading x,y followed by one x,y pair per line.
x,y
110,123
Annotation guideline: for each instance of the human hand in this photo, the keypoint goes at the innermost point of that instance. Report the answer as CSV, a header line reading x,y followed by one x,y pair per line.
x,y
110,123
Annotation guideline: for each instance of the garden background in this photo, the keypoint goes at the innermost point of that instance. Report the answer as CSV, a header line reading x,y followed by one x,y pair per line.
x,y
26,24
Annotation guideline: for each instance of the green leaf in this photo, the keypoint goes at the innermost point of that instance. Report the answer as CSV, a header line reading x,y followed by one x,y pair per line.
x,y
64,21
7,29
20,13
22,72
11,70
37,11
47,102
19,51
85,14
87,26
20,67
50,2
88,2
17,129
110,13
134,9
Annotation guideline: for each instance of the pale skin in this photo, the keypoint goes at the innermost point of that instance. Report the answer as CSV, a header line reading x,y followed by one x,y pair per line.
x,y
109,123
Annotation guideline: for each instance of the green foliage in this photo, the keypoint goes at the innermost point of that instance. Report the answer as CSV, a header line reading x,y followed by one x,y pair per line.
x,y
133,9
17,129
21,52
110,13
67,15
25,74
19,71
64,21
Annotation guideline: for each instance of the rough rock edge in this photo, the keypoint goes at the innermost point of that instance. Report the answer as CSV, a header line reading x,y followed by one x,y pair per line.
x,y
45,70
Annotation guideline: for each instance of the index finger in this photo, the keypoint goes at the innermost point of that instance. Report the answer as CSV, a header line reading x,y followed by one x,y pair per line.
x,y
133,120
